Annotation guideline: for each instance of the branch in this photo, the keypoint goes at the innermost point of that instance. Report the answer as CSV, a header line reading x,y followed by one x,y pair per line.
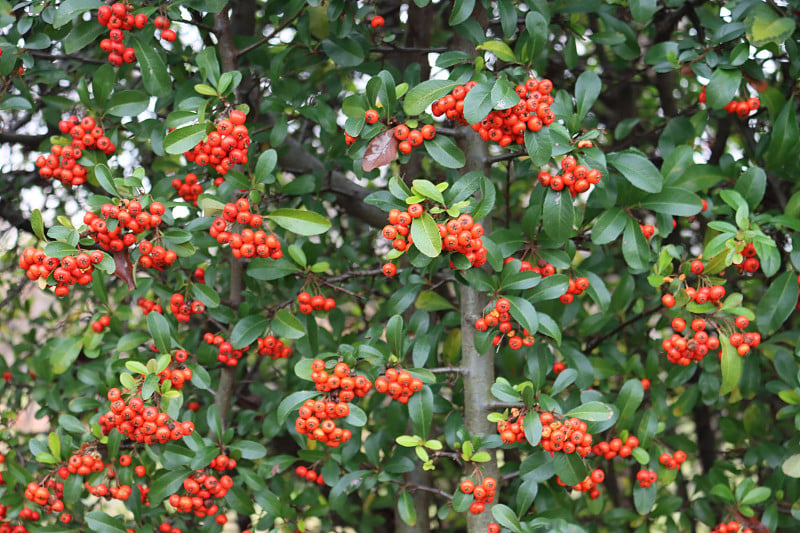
x,y
275,31
592,344
29,141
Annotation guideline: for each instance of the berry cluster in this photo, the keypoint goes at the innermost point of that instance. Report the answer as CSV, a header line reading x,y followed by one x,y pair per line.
x,y
101,323
483,493
225,147
166,527
683,350
41,495
730,527
576,288
273,347
614,447
177,373
589,483
309,474
398,384
743,341
646,478
568,437
342,383
155,256
62,164
309,304
500,316
750,262
141,423
576,178
316,420
129,215
119,19
463,235
203,487
542,267
162,23
184,310
25,514
411,138
85,462
247,243
506,126
116,492
671,462
188,189
513,429
740,107
226,354
199,275
149,306
66,272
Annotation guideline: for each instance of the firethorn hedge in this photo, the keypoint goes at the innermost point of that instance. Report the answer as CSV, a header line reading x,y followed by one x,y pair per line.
x,y
471,265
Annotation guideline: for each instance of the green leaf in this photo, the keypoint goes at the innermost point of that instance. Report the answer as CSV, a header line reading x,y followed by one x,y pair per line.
x,y
394,334
499,49
635,248
539,146
566,378
569,467
428,190
249,449
462,10
784,136
644,498
523,312
432,301
558,215
504,96
630,398
587,89
169,482
136,367
756,496
478,103
637,170
205,294
723,87
270,269
265,165
300,221
128,103
285,324
538,30
70,10
446,152
424,94
533,428
37,223
103,176
405,508
643,10
609,225
184,139
506,517
62,352
763,26
100,521
593,411
292,403
731,365
420,410
155,75
550,327
158,326
791,466
675,201
357,416
751,185
345,52
247,330
425,235
54,445
71,424
777,303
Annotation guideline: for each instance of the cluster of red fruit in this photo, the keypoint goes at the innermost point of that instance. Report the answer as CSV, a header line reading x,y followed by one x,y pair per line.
x,y
576,178
499,315
463,235
513,429
41,495
342,383
398,384
162,23
683,350
671,462
25,514
730,527
248,243
85,462
614,447
740,107
62,163
749,262
166,527
203,487
225,147
116,492
226,354
411,138
184,310
309,474
188,189
575,288
119,19
66,272
542,267
130,215
141,423
149,306
570,436
646,478
309,304
273,347
101,323
589,483
177,373
744,341
315,419
155,256
483,493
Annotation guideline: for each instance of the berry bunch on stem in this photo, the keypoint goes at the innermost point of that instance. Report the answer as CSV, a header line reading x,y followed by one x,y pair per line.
x,y
224,147
398,384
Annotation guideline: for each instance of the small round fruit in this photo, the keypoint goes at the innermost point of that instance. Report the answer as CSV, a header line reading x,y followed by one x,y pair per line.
x,y
668,300
371,116
377,21
389,270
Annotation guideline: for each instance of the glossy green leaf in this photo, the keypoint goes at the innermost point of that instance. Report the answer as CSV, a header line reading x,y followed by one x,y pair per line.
x,y
731,365
425,235
777,303
128,103
593,412
628,401
570,468
405,508
674,201
184,139
635,248
609,225
155,74
424,94
247,330
420,410
558,215
100,521
506,517
723,87
300,221
539,146
158,326
462,10
637,170
70,10
445,152
478,103
587,89
523,312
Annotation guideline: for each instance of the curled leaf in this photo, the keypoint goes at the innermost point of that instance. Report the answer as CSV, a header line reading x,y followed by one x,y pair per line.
x,y
381,151
124,270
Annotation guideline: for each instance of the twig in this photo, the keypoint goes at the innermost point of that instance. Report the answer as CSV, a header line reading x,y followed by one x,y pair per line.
x,y
592,344
275,31
446,370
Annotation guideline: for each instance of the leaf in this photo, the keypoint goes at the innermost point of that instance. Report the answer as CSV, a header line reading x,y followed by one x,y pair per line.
x,y
249,449
424,94
155,75
523,312
405,508
478,103
593,412
756,496
777,303
54,445
635,248
637,170
169,482
675,201
763,26
265,165
158,326
70,10
539,146
731,365
420,410
432,301
425,235
462,10
723,87
569,467
103,176
533,428
566,378
428,190
784,136
247,330
184,139
37,223
357,416
751,185
291,403
300,221
499,49
71,424
630,398
446,152
609,225
285,324
128,103
587,89
506,517
791,466
205,294
643,10
550,327
644,498
381,151
270,269
558,215
100,521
